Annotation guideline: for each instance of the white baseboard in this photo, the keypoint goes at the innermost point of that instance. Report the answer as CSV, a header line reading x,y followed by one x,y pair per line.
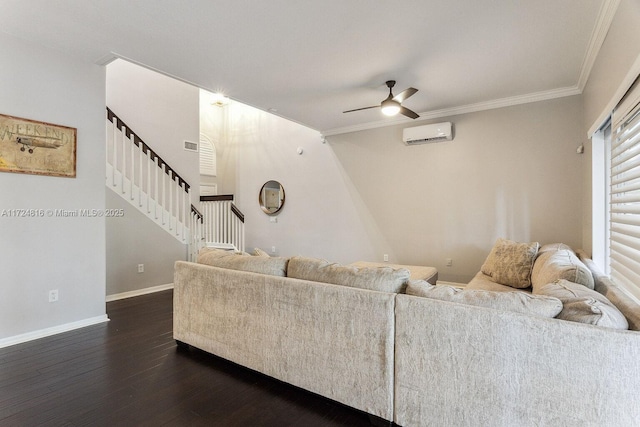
x,y
139,292
456,284
42,333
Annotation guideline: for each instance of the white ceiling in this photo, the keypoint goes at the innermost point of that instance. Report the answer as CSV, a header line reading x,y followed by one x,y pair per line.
x,y
310,60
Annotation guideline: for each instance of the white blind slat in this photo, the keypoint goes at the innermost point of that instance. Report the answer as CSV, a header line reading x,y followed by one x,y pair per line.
x,y
625,219
624,193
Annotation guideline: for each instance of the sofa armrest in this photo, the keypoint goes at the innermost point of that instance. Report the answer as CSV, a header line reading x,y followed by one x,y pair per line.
x,y
220,311
333,340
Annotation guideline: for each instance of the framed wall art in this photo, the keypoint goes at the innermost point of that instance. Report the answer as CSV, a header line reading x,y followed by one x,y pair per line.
x,y
29,146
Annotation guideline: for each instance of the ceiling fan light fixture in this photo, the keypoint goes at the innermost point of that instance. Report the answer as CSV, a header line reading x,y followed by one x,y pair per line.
x,y
390,107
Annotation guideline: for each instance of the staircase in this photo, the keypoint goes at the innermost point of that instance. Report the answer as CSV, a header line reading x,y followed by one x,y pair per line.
x,y
146,181
140,176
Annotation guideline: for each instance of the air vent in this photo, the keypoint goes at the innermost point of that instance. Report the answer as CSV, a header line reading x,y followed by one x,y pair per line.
x,y
191,146
427,140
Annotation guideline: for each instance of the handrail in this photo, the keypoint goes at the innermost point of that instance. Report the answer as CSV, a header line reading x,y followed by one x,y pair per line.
x,y
197,213
237,212
111,116
223,198
159,161
217,198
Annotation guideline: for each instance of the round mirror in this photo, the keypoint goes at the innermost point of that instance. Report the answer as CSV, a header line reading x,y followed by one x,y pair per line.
x,y
271,197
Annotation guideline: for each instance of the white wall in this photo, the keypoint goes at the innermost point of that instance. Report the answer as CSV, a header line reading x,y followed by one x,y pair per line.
x,y
41,254
510,172
213,124
164,112
320,216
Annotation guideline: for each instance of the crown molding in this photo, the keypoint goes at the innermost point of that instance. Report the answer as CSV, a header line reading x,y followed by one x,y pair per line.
x,y
603,23
464,109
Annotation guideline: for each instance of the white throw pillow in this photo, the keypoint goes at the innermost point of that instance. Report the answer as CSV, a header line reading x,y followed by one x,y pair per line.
x,y
273,266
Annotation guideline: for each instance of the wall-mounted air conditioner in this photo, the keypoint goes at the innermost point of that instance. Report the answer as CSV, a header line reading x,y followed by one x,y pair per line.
x,y
428,133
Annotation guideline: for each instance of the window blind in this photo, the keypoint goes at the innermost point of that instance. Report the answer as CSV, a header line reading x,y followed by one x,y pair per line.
x,y
207,156
624,194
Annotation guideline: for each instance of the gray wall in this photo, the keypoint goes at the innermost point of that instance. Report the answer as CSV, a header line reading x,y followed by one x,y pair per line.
x,y
42,254
617,56
163,112
620,49
510,172
133,239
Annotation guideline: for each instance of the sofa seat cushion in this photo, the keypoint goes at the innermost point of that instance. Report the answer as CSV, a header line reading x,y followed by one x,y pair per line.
x,y
510,263
584,305
416,272
560,264
484,283
273,266
516,301
385,279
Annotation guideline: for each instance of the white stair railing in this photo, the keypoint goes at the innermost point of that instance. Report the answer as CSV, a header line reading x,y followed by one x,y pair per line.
x,y
146,181
223,222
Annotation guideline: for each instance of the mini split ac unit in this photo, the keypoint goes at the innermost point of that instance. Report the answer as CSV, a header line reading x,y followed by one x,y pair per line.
x,y
428,133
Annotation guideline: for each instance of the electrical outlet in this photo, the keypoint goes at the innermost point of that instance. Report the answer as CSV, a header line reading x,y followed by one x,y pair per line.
x,y
53,295
140,268
449,262
273,249
385,257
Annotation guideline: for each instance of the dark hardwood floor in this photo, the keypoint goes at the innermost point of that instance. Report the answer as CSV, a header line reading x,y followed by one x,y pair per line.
x,y
128,372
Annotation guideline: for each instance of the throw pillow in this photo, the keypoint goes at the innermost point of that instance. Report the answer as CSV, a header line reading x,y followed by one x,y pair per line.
x,y
584,305
259,252
510,263
384,279
273,266
561,264
516,301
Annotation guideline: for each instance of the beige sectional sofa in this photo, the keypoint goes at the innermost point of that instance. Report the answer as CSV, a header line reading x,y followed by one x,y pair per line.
x,y
416,354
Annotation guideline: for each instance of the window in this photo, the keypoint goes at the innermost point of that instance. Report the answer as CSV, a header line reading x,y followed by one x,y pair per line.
x,y
207,156
623,156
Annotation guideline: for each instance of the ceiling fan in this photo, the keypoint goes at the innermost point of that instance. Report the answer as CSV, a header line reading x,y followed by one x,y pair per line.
x,y
392,105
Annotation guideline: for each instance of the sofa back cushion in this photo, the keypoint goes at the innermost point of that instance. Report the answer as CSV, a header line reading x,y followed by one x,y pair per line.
x,y
584,305
553,247
384,279
614,293
517,301
560,264
510,263
273,266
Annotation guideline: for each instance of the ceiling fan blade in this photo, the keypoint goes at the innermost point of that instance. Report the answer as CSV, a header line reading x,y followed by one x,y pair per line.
x,y
405,111
364,108
405,94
